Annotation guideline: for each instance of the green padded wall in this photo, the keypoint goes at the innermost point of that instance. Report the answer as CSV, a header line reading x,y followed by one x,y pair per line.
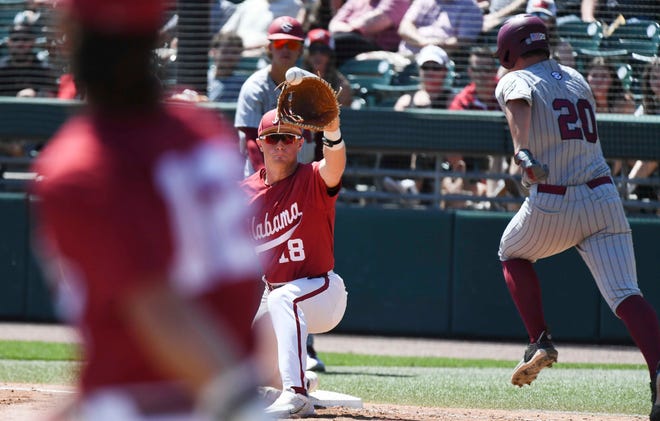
x,y
408,272
482,305
38,301
13,255
646,234
394,263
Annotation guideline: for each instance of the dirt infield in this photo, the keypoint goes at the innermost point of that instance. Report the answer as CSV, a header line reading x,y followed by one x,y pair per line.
x,y
38,403
20,402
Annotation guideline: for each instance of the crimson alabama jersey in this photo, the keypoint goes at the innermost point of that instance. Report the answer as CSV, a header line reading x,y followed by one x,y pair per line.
x,y
125,202
293,223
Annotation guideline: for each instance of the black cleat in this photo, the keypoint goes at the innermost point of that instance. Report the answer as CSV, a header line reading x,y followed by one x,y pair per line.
x,y
538,355
655,409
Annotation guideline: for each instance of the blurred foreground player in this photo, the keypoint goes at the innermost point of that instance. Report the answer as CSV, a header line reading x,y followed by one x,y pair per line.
x,y
139,225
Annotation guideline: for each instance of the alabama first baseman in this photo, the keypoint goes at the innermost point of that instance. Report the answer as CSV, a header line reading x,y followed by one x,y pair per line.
x,y
293,217
572,200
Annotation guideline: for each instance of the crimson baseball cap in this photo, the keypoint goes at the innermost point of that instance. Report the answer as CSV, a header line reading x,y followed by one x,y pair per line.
x,y
271,124
543,7
117,16
321,36
285,27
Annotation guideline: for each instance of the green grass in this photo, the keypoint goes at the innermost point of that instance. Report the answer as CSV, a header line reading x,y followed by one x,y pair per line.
x,y
34,350
423,381
339,359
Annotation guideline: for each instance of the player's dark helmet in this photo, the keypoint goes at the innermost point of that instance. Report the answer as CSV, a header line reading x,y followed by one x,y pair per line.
x,y
519,35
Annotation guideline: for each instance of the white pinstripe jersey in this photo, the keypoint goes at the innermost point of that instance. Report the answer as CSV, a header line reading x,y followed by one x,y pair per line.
x,y
563,132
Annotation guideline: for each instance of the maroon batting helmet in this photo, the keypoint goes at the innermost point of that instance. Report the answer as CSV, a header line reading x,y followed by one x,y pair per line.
x,y
520,34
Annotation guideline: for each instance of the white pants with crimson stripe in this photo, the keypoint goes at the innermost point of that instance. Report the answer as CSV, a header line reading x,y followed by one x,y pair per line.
x,y
296,308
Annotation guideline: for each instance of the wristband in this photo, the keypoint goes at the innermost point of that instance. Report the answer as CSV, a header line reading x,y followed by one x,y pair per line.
x,y
333,144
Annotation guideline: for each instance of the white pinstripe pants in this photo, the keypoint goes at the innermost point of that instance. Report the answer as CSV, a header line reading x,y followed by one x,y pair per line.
x,y
592,220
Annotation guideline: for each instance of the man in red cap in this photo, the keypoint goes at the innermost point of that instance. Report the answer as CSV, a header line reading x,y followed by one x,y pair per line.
x,y
139,225
293,208
259,93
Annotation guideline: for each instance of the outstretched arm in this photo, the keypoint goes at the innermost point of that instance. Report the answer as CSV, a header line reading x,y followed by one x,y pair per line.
x,y
334,155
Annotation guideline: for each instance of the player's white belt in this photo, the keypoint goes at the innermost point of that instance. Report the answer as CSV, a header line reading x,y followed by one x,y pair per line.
x,y
561,190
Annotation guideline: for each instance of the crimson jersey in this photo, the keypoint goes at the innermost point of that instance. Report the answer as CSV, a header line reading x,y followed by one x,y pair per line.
x,y
132,201
293,223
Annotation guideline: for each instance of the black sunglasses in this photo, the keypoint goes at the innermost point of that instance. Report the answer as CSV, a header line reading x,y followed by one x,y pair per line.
x,y
273,139
432,67
319,48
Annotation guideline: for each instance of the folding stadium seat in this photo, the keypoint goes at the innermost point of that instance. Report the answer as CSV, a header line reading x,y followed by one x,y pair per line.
x,y
636,42
639,38
364,74
583,36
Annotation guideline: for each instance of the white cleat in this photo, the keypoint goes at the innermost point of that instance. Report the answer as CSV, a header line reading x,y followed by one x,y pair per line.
x,y
290,405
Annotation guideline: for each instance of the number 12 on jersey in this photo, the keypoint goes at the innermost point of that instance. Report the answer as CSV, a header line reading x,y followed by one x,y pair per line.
x,y
295,251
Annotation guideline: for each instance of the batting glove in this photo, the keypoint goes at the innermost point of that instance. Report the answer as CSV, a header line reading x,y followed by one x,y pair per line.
x,y
533,171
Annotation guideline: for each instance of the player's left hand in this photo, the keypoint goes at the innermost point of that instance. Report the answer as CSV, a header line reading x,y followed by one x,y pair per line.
x,y
533,171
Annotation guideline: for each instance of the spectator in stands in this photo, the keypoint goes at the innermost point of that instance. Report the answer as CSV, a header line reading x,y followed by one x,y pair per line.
x,y
560,50
320,14
479,94
224,84
221,11
500,10
366,25
608,11
451,25
260,91
432,62
252,18
319,58
610,95
650,86
22,72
